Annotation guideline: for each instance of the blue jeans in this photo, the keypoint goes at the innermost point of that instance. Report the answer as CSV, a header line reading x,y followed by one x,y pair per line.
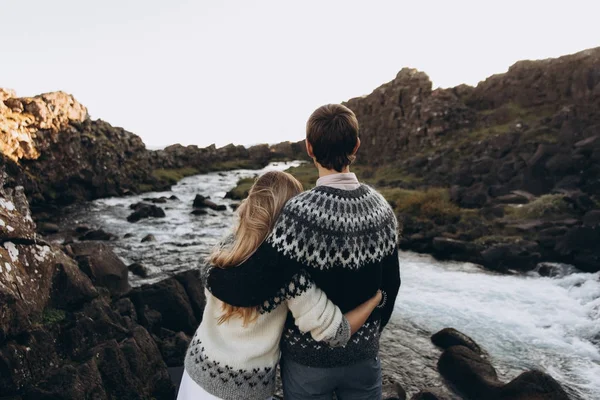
x,y
361,381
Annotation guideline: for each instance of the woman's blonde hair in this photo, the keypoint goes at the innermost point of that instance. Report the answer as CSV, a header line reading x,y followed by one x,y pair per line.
x,y
257,215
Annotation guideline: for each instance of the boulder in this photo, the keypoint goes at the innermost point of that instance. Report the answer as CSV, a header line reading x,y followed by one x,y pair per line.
x,y
449,337
146,211
453,249
205,202
592,219
199,211
173,346
194,287
138,269
579,246
98,234
148,238
470,372
48,228
103,267
430,394
162,298
156,200
533,385
511,199
82,381
521,255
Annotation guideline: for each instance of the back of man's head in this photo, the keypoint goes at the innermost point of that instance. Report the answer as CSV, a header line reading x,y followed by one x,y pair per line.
x,y
332,132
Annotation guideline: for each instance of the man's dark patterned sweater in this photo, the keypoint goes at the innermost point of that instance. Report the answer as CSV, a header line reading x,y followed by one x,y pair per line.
x,y
346,240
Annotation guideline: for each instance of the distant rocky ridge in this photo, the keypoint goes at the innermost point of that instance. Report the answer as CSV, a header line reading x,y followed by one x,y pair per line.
x,y
52,148
507,173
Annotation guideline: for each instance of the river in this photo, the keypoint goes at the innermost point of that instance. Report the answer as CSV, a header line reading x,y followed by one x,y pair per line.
x,y
523,321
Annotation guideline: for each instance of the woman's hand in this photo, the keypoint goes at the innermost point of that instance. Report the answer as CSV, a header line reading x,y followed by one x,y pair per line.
x,y
357,317
377,298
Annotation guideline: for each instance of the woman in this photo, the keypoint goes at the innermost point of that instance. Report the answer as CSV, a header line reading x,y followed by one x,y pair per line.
x,y
235,351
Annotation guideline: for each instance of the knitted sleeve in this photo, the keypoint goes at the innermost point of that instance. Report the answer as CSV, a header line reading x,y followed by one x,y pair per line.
x,y
313,312
390,286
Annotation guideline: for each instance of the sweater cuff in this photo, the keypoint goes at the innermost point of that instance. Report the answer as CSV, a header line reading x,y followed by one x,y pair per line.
x,y
342,335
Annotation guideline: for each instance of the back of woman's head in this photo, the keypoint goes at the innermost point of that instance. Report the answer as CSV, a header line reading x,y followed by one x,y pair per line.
x,y
257,215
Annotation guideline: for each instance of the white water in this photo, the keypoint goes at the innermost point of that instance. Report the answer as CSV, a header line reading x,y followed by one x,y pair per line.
x,y
524,322
182,239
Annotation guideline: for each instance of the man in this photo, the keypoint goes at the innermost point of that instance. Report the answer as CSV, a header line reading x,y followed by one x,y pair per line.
x,y
344,234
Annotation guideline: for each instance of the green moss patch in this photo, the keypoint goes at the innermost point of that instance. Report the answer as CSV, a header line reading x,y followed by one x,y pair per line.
x,y
547,206
172,176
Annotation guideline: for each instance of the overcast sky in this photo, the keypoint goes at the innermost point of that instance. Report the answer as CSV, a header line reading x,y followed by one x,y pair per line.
x,y
202,72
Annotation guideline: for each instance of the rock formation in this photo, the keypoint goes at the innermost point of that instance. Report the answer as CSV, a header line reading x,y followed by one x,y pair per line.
x,y
519,153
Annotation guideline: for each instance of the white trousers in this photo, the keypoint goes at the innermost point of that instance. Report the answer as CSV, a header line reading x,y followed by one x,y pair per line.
x,y
190,390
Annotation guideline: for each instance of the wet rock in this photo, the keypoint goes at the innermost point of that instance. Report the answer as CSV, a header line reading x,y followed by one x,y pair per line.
x,y
521,255
156,200
48,228
453,249
173,197
173,346
474,196
580,247
199,211
469,372
592,219
146,211
70,382
162,298
82,229
148,238
234,206
205,202
70,287
126,309
533,385
511,199
194,287
97,235
103,267
138,269
548,270
449,337
579,200
128,235
431,394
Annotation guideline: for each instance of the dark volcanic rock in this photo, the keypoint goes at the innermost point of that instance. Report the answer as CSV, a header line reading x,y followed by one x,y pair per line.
x,y
97,235
48,228
70,382
162,298
102,266
148,238
430,394
469,371
522,255
205,202
472,373
146,211
449,337
138,269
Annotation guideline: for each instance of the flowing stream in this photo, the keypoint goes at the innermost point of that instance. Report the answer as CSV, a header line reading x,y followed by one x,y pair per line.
x,y
523,321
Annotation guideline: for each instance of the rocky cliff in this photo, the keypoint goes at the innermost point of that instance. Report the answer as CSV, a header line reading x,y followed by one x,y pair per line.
x,y
51,147
506,174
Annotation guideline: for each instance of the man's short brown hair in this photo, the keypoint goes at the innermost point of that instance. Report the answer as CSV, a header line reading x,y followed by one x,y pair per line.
x,y
332,131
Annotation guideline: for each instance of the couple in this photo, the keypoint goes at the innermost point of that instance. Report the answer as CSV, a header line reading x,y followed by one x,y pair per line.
x,y
312,276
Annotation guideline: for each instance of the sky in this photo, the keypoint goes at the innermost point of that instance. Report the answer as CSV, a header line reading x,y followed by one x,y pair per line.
x,y
251,71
